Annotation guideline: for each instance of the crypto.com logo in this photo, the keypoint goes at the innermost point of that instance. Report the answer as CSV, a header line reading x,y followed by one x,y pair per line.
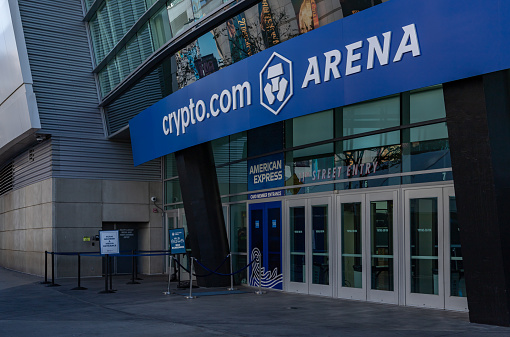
x,y
276,83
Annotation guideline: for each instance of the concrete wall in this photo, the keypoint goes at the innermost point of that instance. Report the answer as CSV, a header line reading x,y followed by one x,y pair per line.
x,y
26,221
57,213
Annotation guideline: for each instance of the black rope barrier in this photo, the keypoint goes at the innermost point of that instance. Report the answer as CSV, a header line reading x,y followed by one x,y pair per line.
x,y
221,274
210,271
215,271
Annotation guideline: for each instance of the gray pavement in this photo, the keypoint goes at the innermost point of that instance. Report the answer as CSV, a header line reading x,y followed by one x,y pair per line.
x,y
28,308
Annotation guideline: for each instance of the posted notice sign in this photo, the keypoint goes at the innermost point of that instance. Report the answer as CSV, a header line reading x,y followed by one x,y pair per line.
x,y
109,242
177,242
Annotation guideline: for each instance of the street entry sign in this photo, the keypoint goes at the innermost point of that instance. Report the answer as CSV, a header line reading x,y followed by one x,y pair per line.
x,y
109,242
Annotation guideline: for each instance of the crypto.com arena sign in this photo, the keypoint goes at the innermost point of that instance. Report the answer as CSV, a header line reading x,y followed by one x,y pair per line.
x,y
393,47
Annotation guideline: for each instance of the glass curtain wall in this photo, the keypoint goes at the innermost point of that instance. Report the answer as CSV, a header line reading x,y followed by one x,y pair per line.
x,y
262,26
349,144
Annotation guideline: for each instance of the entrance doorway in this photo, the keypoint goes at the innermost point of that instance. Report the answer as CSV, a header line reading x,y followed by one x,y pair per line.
x,y
128,242
399,246
368,264
266,244
434,273
309,260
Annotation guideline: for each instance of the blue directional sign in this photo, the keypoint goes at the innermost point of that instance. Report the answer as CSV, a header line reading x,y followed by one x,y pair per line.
x,y
177,241
397,46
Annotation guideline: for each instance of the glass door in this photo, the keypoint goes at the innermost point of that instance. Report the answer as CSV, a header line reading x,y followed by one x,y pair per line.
x,y
368,253
455,285
352,218
424,226
382,238
309,246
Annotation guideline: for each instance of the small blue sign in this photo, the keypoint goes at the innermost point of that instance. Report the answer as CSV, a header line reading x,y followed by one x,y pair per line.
x,y
274,223
257,224
177,241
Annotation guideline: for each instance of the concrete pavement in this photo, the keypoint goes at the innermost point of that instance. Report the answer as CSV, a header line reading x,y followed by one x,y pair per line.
x,y
28,308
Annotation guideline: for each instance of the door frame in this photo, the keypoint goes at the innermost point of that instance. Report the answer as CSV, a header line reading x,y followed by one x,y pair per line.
x,y
417,299
365,292
308,287
383,295
451,302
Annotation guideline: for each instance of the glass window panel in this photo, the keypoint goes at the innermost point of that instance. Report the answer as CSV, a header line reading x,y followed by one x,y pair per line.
x,y
297,245
210,60
320,250
170,166
201,8
427,105
457,279
172,191
382,139
371,116
238,178
238,146
239,261
350,7
429,132
149,3
223,179
312,128
351,245
426,155
424,246
381,225
265,139
180,15
238,231
221,150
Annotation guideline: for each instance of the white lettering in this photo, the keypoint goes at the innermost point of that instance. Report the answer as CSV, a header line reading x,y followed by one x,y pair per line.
x,y
225,108
166,131
214,112
191,106
332,65
177,120
374,48
351,57
185,121
409,43
239,88
312,73
201,105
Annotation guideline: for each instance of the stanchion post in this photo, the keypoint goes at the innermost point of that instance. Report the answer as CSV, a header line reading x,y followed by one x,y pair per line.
x,y
79,287
259,292
45,268
53,284
231,274
111,273
133,266
136,270
190,297
167,292
105,291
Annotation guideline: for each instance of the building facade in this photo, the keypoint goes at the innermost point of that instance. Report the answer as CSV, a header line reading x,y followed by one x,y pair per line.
x,y
350,148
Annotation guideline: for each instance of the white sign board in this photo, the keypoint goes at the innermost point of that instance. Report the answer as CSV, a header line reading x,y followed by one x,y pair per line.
x,y
109,242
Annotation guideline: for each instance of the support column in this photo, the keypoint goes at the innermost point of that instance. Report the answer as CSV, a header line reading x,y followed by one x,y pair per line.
x,y
478,118
204,213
